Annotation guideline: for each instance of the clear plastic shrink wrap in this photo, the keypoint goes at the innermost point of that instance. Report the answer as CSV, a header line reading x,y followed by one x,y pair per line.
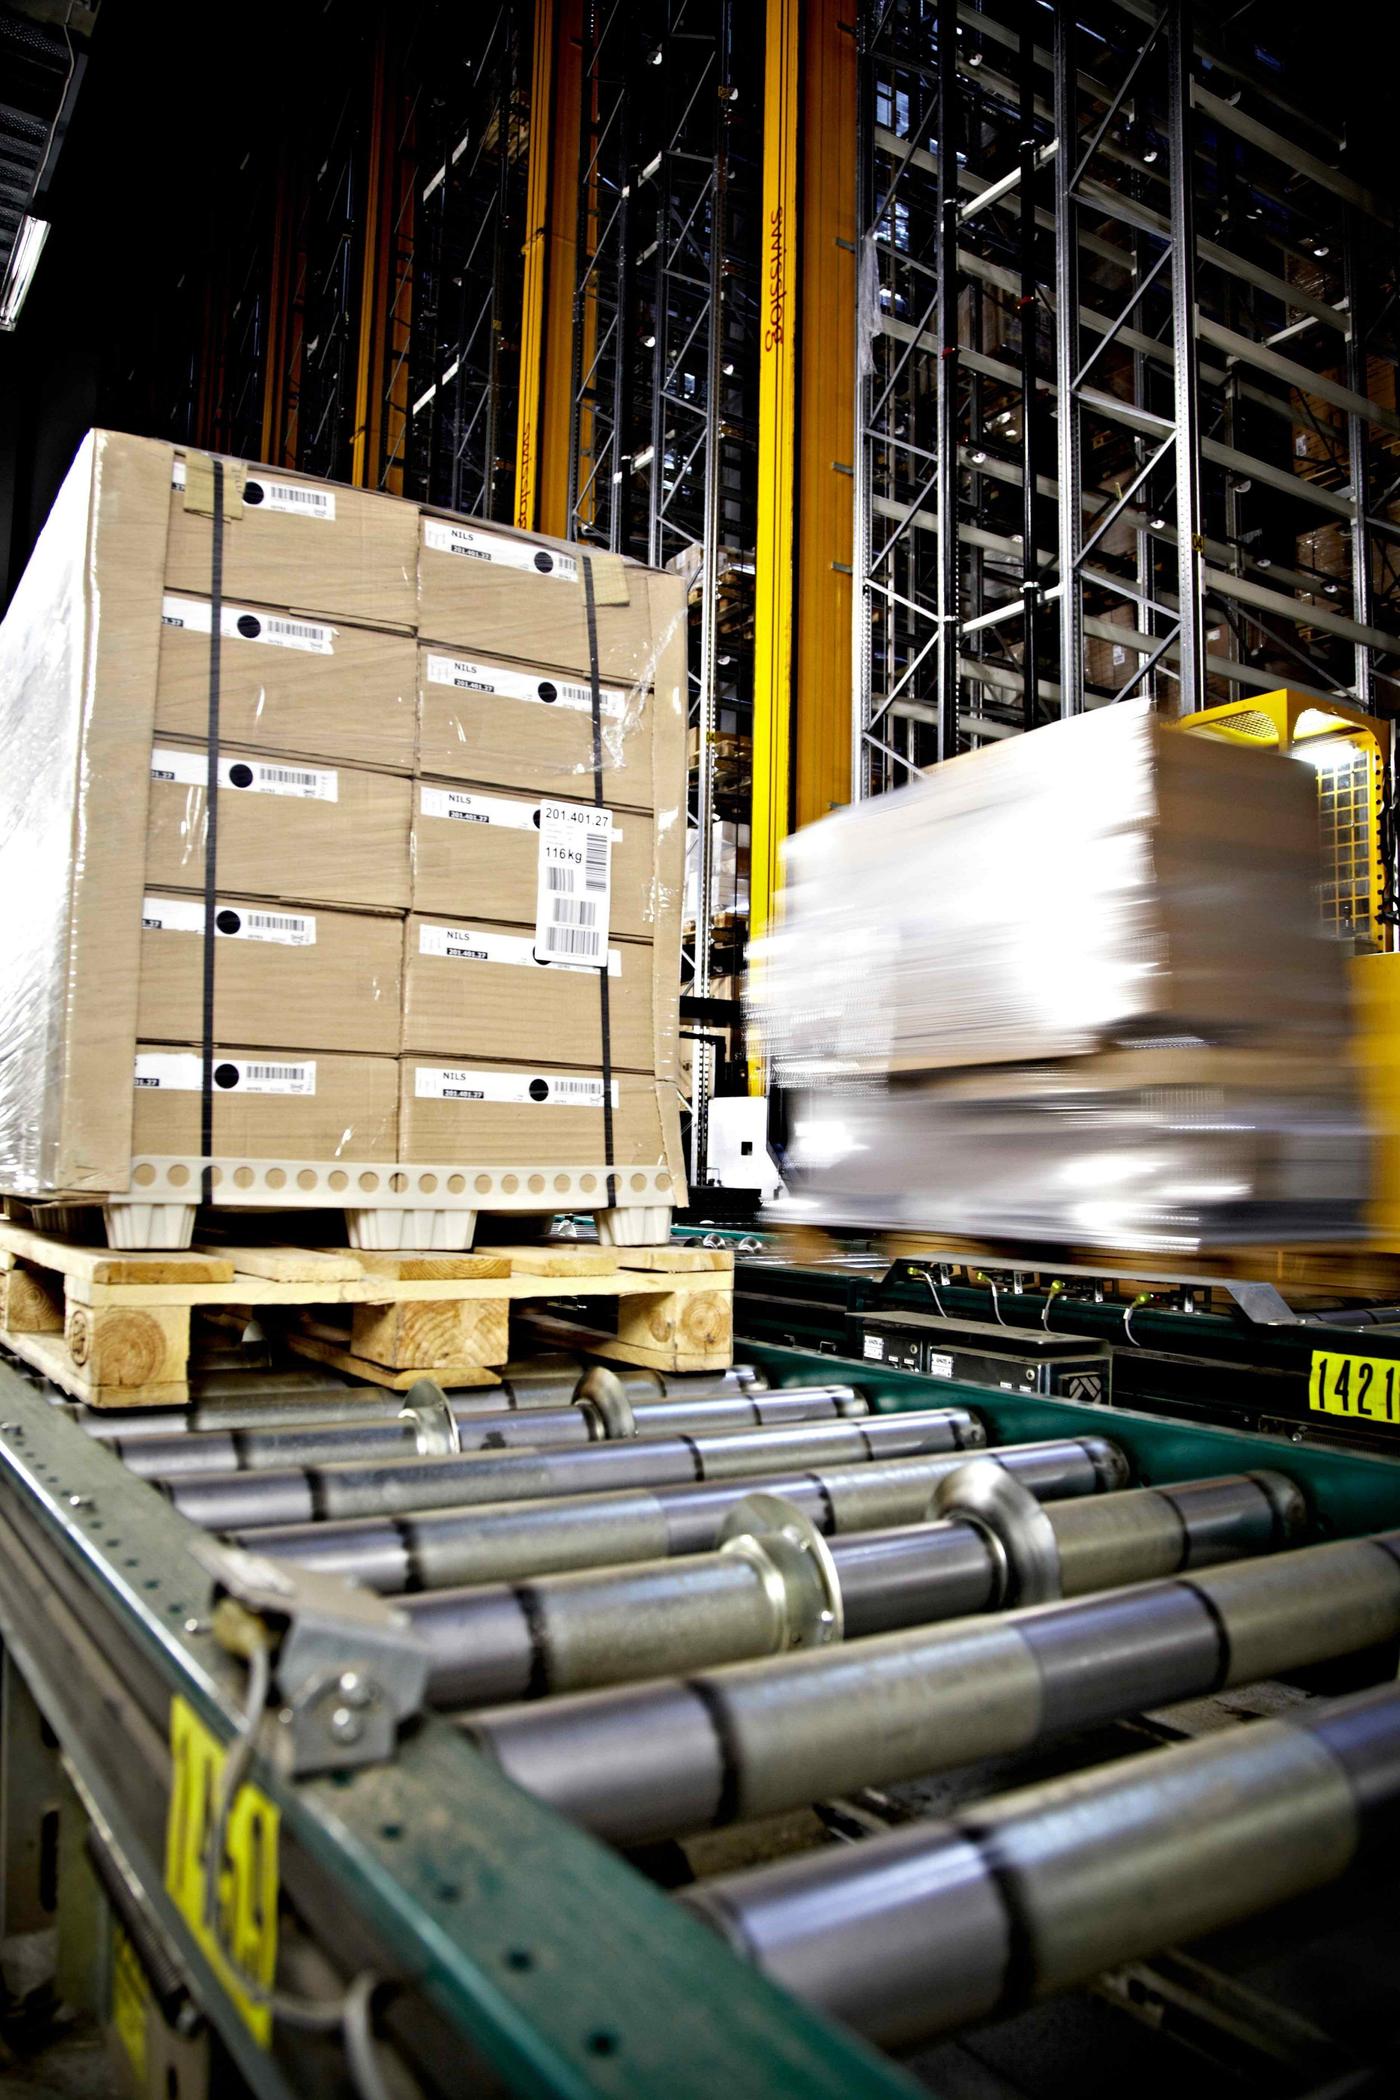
x,y
1071,988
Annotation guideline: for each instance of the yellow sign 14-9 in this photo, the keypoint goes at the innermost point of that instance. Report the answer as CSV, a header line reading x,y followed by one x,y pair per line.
x,y
246,1896
1363,1388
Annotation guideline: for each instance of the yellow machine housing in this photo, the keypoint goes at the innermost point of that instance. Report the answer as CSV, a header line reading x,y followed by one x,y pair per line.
x,y
1349,751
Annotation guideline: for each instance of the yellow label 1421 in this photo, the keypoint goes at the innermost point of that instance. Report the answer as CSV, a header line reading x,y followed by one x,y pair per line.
x,y
1363,1388
247,1873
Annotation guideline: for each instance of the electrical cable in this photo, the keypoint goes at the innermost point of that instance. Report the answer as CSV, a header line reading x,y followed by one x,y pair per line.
x,y
1054,1292
351,2015
983,1277
927,1275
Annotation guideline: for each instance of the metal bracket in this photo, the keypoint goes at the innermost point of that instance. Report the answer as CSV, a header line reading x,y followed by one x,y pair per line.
x,y
427,1406
984,1494
790,1554
347,1668
603,1398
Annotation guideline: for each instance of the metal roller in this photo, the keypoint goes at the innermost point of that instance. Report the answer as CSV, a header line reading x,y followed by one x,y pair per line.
x,y
498,1543
776,1583
676,1756
303,1399
595,1417
297,1495
909,1934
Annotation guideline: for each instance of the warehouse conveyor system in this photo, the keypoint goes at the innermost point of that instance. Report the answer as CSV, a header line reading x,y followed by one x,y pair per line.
x,y
782,1730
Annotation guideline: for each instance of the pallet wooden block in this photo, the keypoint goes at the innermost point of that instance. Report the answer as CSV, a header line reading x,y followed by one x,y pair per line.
x,y
113,1329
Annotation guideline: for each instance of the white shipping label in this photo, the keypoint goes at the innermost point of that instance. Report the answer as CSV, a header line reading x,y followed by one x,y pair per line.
x,y
239,623
182,1072
557,1089
940,1367
470,808
289,496
502,553
575,883
550,689
873,1345
256,776
234,922
469,944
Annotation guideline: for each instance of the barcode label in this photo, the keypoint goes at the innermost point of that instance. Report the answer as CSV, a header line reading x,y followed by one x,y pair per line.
x,y
253,776
259,494
289,497
467,807
575,857
473,944
528,1089
232,922
503,682
242,623
498,550
182,1072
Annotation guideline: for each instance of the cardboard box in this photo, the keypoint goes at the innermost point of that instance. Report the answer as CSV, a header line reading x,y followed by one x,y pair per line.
x,y
518,726
473,990
287,828
91,684
268,1104
290,539
329,979
486,591
507,1115
476,856
314,687
77,689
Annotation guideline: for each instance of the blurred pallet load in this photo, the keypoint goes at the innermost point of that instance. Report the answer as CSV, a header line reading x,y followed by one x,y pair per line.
x,y
344,844
1072,992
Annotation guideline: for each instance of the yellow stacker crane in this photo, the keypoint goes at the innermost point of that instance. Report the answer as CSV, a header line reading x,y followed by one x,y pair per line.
x,y
1350,751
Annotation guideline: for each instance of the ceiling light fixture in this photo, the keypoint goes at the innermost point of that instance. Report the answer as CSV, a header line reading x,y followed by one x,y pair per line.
x,y
24,261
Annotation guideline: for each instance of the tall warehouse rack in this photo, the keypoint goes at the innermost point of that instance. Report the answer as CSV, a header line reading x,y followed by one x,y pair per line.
x,y
1066,491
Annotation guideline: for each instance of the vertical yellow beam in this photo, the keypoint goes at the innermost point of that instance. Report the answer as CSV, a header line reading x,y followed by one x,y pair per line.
x,y
374,283
557,377
826,413
532,313
777,462
276,377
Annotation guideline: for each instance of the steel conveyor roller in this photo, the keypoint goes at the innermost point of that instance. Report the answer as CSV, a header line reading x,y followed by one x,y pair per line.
x,y
497,1543
668,1758
305,1399
296,1495
465,1426
776,1583
936,1924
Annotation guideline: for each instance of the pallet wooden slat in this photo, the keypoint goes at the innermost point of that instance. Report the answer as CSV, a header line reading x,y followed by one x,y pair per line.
x,y
118,1326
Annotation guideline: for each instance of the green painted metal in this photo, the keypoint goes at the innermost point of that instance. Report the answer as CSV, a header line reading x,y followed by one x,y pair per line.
x,y
457,1872
1348,1491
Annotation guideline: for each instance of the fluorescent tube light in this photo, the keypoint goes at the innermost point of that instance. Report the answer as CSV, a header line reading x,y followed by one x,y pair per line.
x,y
29,246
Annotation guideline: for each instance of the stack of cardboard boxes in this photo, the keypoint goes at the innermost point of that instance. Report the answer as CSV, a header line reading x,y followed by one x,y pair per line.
x,y
446,912
1070,989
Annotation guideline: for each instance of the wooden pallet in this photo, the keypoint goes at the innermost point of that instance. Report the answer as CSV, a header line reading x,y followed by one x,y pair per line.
x,y
113,1329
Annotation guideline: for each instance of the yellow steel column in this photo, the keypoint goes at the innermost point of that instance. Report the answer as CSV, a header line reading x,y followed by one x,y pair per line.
x,y
533,291
557,375
777,463
374,282
826,413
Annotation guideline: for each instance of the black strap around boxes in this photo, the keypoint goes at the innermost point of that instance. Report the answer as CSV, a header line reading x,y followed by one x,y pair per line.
x,y
211,839
590,609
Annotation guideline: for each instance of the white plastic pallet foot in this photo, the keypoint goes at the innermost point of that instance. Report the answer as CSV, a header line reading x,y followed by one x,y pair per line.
x,y
412,1230
637,1225
149,1225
